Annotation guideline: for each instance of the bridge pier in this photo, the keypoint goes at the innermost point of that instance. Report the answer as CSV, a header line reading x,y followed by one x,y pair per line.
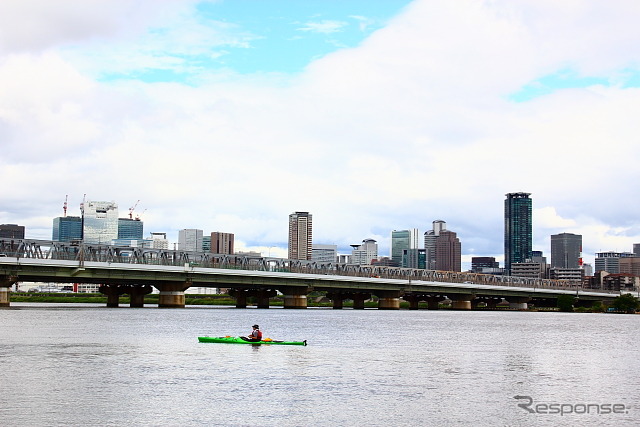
x,y
461,301
172,294
113,292
137,293
241,297
433,302
358,299
295,296
413,300
337,299
5,290
388,300
518,303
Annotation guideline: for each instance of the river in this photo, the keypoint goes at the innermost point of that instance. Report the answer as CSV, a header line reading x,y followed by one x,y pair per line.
x,y
79,365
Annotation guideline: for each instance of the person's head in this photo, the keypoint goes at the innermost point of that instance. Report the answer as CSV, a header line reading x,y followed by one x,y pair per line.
x,y
256,327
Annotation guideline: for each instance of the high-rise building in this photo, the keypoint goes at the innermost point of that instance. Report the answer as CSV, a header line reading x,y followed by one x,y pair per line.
x,y
222,243
67,228
565,250
12,231
190,240
517,229
324,253
610,261
100,222
206,243
430,243
366,252
130,229
401,240
300,236
448,251
636,249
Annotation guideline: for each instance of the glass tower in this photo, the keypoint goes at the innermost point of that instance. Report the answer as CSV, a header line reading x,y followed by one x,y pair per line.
x,y
517,229
100,222
565,250
67,228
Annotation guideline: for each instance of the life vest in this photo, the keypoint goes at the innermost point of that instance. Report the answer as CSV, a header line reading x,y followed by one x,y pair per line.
x,y
259,335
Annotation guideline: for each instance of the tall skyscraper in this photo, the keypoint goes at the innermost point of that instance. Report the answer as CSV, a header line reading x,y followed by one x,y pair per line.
x,y
190,240
401,240
430,243
565,250
517,229
100,222
67,228
448,252
300,235
222,243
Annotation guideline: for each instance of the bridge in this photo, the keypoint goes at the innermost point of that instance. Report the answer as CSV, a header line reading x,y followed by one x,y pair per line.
x,y
136,271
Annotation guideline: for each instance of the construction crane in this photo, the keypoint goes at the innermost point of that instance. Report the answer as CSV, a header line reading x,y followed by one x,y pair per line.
x,y
131,209
64,207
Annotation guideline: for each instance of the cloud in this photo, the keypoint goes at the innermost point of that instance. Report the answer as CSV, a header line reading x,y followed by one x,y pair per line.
x,y
414,124
325,26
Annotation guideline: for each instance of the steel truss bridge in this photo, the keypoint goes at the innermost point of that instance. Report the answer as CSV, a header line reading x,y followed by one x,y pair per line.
x,y
127,266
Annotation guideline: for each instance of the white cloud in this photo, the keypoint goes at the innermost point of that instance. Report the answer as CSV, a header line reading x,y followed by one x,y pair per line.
x,y
325,26
413,125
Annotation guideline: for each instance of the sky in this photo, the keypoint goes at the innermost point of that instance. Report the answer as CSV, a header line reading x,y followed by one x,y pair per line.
x,y
371,115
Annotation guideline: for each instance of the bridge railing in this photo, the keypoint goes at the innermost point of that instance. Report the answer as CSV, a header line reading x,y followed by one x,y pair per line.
x,y
83,252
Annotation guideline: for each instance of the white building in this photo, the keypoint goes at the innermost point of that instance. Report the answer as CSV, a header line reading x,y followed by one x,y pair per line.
x,y
159,241
190,240
100,222
364,253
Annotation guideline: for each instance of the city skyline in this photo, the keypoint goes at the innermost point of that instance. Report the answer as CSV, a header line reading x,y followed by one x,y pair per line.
x,y
373,116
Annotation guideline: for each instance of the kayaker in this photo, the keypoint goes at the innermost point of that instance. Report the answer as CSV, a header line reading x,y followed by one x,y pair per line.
x,y
256,334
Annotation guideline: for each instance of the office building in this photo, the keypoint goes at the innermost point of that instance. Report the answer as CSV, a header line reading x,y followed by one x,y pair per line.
x,y
190,240
222,243
610,261
324,253
414,258
480,264
159,241
636,249
366,252
629,265
130,229
12,231
517,229
401,240
206,243
300,236
430,242
100,222
566,249
448,252
67,228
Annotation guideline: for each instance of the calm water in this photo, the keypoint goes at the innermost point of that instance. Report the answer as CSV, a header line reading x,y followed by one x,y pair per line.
x,y
89,365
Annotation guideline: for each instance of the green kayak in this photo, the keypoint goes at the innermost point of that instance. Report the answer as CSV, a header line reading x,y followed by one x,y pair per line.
x,y
238,340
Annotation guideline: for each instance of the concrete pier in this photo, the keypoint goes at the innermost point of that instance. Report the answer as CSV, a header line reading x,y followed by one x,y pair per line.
x,y
113,292
137,293
388,300
6,283
295,296
172,294
461,301
518,303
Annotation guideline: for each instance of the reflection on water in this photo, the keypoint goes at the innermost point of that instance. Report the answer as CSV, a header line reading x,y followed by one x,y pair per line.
x,y
88,365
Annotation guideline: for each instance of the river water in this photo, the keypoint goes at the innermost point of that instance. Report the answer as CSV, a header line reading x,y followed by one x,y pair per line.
x,y
79,365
